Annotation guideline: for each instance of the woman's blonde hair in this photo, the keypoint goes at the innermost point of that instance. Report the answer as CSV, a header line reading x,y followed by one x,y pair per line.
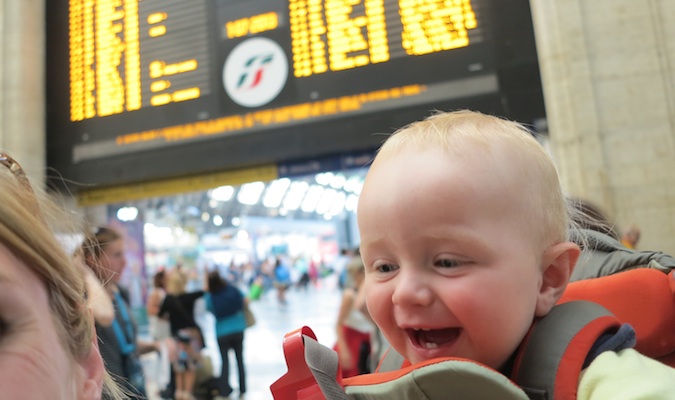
x,y
30,223
175,283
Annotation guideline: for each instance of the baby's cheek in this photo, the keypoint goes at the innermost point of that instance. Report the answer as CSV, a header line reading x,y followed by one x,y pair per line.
x,y
380,308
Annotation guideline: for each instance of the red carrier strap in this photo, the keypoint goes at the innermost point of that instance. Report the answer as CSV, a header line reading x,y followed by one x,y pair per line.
x,y
299,382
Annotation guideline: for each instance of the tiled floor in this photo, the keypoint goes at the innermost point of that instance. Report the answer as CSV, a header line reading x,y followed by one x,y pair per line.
x,y
263,353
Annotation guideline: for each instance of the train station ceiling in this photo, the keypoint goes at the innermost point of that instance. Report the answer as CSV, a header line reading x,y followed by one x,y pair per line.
x,y
321,197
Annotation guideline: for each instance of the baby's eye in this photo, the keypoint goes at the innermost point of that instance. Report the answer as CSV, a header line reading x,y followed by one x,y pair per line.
x,y
385,268
448,263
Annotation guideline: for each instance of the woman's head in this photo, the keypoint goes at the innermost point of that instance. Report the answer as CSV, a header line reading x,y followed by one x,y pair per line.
x,y
159,280
586,215
175,283
215,282
104,254
47,341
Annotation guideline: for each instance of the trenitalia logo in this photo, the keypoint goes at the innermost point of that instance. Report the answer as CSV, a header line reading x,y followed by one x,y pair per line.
x,y
254,69
255,72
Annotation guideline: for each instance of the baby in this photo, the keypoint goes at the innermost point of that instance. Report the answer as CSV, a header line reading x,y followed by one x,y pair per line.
x,y
463,229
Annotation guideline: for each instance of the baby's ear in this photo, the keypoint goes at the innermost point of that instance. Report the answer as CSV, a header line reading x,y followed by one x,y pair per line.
x,y
558,263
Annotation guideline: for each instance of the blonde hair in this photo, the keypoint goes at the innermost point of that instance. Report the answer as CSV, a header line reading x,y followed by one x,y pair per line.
x,y
457,131
175,283
29,223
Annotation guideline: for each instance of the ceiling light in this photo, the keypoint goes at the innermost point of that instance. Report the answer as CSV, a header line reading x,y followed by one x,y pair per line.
x,y
223,193
275,192
295,194
312,198
250,193
127,214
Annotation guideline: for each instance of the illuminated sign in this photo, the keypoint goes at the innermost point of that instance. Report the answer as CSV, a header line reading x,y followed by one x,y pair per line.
x,y
125,55
153,76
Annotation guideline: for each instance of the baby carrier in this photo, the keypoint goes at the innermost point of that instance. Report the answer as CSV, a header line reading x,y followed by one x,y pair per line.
x,y
617,286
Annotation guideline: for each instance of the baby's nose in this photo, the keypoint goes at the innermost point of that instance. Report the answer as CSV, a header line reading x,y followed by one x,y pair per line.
x,y
411,290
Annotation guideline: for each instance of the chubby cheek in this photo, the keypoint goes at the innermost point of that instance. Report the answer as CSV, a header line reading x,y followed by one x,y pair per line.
x,y
373,301
495,329
381,308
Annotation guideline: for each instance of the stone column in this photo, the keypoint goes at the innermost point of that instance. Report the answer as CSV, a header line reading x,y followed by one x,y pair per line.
x,y
22,86
608,72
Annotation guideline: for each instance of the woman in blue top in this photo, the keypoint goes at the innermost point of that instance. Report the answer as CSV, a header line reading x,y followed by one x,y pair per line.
x,y
226,302
118,343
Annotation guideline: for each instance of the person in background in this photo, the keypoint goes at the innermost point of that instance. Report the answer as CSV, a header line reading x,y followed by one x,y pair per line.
x,y
464,238
340,266
118,343
282,279
48,348
100,303
354,326
226,302
631,237
302,266
178,307
160,330
587,215
159,327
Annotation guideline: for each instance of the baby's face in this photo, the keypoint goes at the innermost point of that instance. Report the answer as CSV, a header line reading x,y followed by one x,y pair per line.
x,y
452,267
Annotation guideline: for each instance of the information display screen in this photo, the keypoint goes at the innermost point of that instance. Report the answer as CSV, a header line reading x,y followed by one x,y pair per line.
x,y
147,89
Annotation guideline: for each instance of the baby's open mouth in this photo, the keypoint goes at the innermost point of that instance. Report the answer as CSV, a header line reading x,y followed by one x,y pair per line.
x,y
432,338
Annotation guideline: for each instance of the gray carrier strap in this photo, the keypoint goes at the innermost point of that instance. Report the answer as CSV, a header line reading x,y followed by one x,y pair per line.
x,y
548,342
445,379
391,361
323,362
603,255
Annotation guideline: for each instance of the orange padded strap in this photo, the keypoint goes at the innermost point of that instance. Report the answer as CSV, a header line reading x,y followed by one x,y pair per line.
x,y
643,298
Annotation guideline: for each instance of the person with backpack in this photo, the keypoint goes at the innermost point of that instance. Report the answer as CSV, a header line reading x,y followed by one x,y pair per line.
x,y
465,242
470,246
226,302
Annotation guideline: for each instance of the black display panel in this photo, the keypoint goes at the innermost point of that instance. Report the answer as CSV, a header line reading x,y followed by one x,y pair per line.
x,y
140,90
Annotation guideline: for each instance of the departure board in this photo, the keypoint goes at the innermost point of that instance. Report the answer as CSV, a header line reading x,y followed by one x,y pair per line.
x,y
230,83
111,73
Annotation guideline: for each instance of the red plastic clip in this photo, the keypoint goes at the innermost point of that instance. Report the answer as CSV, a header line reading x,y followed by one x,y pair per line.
x,y
298,383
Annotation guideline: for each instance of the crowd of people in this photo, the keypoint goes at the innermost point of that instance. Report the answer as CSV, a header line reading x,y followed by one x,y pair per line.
x,y
470,246
173,329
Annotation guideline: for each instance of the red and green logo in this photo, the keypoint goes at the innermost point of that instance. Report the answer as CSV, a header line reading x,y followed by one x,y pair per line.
x,y
255,72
